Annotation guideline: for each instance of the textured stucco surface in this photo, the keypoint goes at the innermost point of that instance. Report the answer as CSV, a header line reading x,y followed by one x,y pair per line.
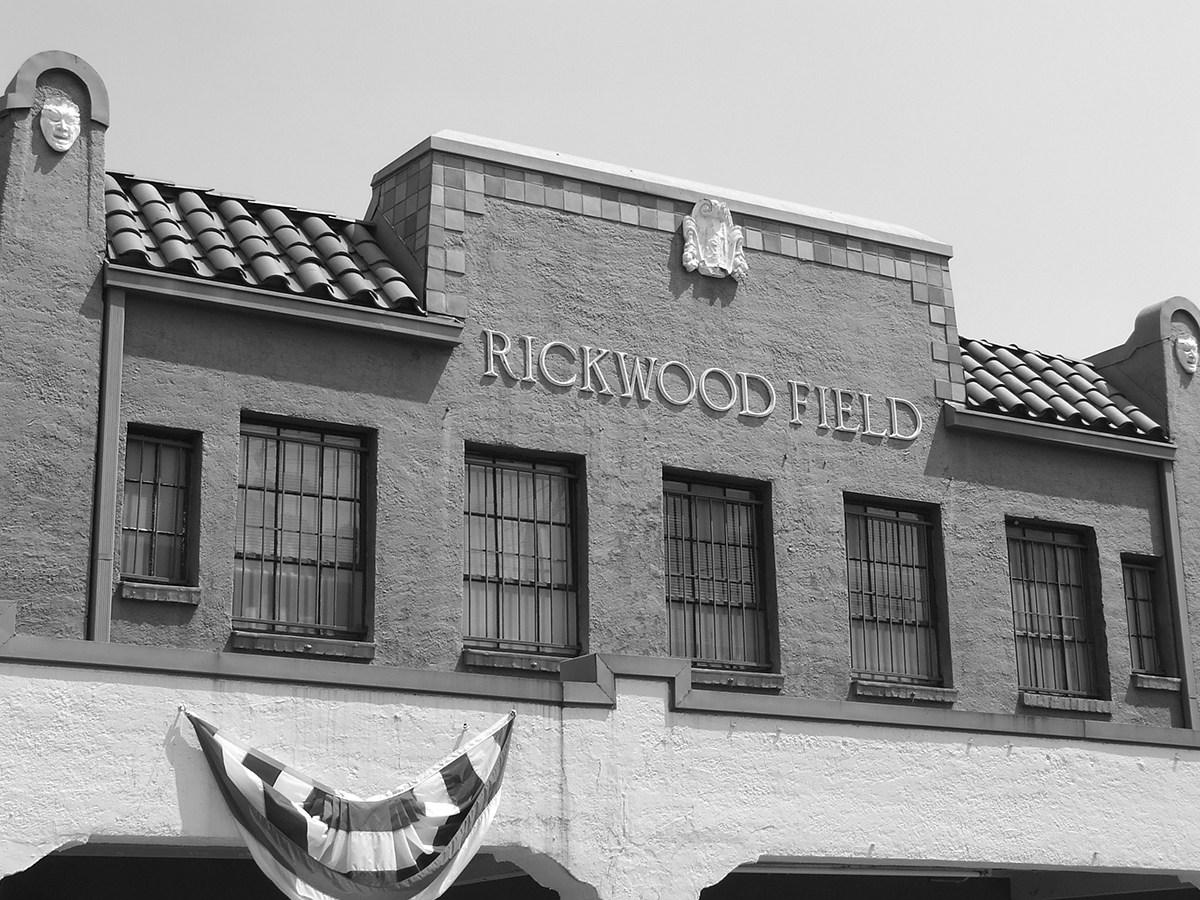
x,y
630,802
51,246
550,276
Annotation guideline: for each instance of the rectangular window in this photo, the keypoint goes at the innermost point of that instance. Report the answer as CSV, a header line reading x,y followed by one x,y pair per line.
x,y
891,583
520,581
716,586
1141,590
1052,609
299,551
155,515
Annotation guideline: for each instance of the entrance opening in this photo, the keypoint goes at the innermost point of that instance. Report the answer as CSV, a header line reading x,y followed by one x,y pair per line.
x,y
81,872
896,884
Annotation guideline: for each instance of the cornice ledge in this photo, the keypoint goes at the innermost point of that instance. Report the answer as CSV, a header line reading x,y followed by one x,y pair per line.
x,y
169,286
962,419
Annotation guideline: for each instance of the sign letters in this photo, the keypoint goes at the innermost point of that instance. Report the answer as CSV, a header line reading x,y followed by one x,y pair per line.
x,y
613,373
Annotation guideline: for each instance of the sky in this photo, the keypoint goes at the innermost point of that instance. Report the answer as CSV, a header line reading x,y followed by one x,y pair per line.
x,y
1054,145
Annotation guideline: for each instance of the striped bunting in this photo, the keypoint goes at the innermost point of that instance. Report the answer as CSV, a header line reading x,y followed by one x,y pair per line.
x,y
315,843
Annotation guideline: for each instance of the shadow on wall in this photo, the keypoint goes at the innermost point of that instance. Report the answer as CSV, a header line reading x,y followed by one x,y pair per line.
x,y
284,351
1027,467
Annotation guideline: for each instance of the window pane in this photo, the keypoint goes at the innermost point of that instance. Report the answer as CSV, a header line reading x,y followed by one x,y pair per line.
x,y
711,549
1140,609
519,581
1051,610
893,632
297,560
154,510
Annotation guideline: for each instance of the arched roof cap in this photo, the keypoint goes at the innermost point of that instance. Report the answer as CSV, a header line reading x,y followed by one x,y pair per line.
x,y
1154,322
20,91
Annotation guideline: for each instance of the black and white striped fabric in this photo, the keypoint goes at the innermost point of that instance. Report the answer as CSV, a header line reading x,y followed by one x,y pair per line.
x,y
315,843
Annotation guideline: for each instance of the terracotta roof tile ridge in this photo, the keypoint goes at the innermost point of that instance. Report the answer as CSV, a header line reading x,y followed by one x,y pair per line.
x,y
211,234
1028,384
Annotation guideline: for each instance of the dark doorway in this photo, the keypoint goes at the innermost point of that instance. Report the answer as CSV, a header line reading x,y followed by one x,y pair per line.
x,y
82,873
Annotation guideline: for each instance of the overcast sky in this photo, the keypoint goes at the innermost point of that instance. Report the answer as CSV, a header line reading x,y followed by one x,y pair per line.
x,y
1054,145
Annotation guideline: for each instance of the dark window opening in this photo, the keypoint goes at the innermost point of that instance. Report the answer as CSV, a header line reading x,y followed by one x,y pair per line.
x,y
716,590
155,511
1051,609
299,550
520,572
891,587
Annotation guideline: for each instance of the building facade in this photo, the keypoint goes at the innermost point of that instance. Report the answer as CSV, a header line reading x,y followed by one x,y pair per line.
x,y
792,587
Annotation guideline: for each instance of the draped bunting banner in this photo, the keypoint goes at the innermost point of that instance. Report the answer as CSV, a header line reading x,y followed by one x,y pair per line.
x,y
315,843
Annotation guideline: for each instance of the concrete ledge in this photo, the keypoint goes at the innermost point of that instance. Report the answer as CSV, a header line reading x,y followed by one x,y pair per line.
x,y
627,179
992,423
1072,704
585,681
160,593
891,690
720,678
179,288
501,659
302,645
1155,682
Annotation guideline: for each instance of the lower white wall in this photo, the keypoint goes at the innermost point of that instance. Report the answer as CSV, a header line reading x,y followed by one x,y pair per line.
x,y
636,801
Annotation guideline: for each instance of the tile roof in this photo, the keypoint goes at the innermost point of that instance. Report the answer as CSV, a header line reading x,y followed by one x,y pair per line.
x,y
197,232
1041,387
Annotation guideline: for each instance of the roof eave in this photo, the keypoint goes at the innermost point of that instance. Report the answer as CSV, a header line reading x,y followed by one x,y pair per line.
x,y
435,329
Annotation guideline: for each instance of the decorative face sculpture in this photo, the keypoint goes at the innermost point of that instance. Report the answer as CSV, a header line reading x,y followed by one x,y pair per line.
x,y
1187,353
60,123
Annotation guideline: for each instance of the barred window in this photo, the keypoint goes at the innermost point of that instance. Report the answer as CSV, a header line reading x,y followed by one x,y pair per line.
x,y
154,515
716,592
299,555
520,582
890,579
1051,609
1141,580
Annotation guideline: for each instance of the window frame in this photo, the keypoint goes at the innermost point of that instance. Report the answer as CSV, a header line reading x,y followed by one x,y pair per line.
x,y
1161,619
190,441
281,632
709,485
571,467
1094,624
931,522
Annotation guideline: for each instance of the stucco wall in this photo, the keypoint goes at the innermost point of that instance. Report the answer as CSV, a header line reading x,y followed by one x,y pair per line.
x,y
51,244
550,276
630,802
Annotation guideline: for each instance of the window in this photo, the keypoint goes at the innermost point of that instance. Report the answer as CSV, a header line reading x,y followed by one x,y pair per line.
x,y
155,512
891,584
1051,609
716,586
1142,587
300,563
520,577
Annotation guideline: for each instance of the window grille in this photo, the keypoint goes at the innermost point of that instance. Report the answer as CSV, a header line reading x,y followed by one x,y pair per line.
x,y
1050,610
299,556
716,603
893,626
154,515
520,584
1140,606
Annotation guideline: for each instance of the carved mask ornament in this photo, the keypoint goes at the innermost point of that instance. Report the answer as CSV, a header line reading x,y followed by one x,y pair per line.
x,y
712,243
1187,352
60,123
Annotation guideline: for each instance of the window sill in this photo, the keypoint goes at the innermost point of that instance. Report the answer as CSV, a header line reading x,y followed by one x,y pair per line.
x,y
894,690
160,593
302,645
1155,682
726,678
501,659
1071,704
